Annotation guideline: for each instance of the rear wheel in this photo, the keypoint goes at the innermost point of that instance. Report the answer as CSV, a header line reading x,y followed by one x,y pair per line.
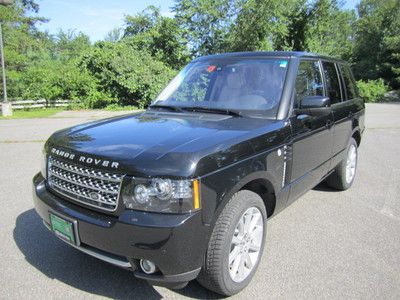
x,y
236,245
343,176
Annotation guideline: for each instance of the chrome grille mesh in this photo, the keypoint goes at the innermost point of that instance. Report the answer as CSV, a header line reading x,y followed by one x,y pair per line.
x,y
85,185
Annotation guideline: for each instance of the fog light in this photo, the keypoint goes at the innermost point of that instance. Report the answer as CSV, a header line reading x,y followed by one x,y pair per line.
x,y
148,266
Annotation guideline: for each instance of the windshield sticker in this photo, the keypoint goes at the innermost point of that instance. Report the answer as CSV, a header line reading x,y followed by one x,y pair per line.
x,y
283,63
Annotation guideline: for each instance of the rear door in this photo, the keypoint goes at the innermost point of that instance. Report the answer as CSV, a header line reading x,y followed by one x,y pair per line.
x,y
356,104
342,107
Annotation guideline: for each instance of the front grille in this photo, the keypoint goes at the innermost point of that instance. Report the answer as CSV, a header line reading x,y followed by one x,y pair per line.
x,y
84,185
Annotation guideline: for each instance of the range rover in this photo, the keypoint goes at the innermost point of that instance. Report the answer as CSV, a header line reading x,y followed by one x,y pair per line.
x,y
184,189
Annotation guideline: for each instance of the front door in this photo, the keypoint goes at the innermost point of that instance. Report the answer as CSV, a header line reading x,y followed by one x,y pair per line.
x,y
312,133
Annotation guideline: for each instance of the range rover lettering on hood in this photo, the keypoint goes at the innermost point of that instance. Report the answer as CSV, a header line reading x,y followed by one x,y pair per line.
x,y
85,159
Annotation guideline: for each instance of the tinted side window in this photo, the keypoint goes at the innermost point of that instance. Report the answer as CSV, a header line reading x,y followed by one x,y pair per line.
x,y
350,86
308,81
332,82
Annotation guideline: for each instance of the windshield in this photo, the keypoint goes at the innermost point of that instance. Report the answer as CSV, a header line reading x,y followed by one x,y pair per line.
x,y
247,86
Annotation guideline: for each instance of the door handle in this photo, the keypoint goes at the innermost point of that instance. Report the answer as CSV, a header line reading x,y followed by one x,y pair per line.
x,y
329,124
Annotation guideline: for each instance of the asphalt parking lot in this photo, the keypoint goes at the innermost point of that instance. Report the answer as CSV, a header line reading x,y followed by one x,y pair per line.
x,y
327,244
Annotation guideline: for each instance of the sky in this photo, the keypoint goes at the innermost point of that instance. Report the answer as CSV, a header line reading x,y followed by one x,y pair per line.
x,y
97,17
93,17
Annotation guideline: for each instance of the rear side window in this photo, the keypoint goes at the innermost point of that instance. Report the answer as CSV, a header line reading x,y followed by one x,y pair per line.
x,y
332,82
350,85
308,81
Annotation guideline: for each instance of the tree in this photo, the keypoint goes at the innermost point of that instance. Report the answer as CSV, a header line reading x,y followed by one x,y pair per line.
x,y
19,40
53,80
258,25
70,45
249,25
317,26
377,41
114,35
161,36
391,67
206,23
329,29
135,61
131,75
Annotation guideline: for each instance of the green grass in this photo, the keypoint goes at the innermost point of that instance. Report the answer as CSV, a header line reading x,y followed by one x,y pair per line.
x,y
32,114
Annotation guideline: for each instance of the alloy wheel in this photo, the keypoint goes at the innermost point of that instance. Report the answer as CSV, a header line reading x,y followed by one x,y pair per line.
x,y
246,244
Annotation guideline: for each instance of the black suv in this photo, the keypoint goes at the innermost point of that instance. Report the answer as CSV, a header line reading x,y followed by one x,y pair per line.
x,y
183,190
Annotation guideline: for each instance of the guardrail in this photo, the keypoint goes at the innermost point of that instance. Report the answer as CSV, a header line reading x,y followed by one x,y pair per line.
x,y
43,103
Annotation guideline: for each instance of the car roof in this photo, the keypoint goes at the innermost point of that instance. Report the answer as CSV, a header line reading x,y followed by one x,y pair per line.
x,y
286,54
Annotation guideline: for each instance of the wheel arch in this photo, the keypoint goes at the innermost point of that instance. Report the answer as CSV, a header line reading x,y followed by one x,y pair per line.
x,y
265,190
356,131
261,183
357,136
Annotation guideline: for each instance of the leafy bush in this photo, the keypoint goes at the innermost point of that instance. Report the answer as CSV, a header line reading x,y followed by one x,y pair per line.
x,y
54,80
372,90
132,76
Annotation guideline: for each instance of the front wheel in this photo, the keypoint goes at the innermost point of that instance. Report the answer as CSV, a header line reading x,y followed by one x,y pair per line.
x,y
343,176
236,245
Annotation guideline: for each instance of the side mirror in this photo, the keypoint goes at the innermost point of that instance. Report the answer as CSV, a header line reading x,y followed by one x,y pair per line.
x,y
310,102
313,105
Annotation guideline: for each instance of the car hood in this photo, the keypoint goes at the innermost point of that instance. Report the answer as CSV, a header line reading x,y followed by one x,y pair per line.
x,y
167,144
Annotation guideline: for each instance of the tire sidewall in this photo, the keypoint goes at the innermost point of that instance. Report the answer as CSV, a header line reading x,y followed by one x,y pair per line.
x,y
247,199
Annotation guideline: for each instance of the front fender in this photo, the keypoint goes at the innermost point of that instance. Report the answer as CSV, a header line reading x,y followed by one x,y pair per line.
x,y
220,186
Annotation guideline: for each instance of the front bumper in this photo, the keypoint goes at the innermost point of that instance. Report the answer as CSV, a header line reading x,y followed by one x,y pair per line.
x,y
175,243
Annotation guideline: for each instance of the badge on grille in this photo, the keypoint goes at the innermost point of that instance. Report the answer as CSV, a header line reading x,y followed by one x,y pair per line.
x,y
94,196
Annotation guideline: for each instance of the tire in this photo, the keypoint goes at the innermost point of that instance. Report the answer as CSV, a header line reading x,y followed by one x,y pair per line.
x,y
216,271
340,179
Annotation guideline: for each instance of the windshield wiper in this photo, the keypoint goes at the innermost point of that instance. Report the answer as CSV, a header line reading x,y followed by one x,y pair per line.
x,y
169,107
212,110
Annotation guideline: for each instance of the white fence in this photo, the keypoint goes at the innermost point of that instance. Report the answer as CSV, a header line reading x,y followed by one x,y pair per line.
x,y
43,103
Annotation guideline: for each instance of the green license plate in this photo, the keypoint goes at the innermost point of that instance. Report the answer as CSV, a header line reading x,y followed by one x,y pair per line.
x,y
62,228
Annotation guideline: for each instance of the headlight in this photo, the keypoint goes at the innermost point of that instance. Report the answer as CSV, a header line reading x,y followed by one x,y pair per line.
x,y
162,195
43,169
